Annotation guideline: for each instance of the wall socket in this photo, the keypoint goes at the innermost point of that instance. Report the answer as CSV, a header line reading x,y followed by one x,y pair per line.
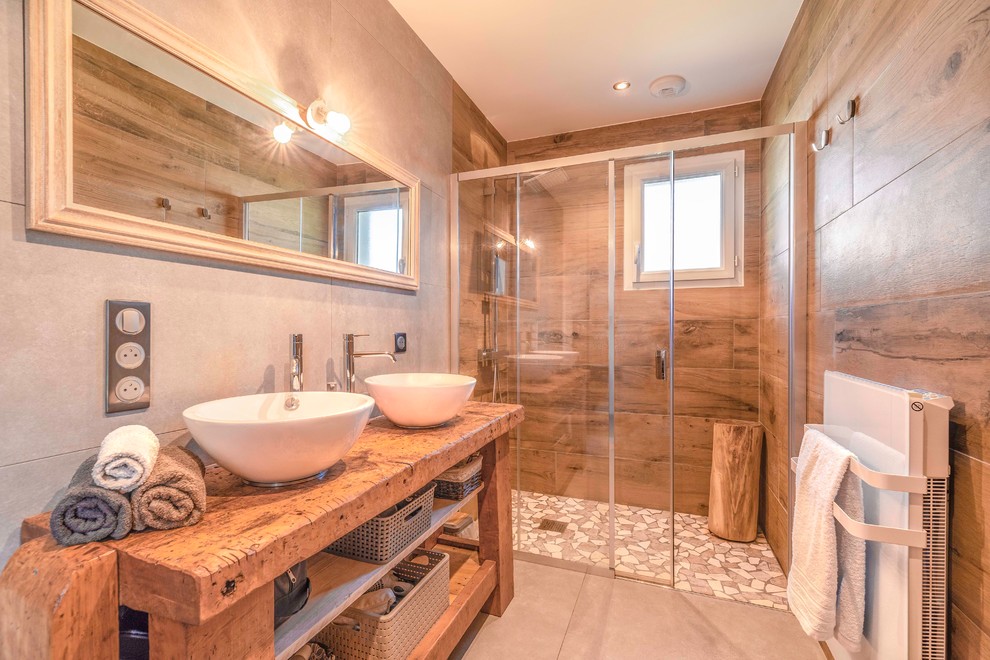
x,y
128,356
400,343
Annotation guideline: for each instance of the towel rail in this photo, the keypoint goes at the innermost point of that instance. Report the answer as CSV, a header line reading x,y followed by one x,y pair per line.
x,y
913,538
900,440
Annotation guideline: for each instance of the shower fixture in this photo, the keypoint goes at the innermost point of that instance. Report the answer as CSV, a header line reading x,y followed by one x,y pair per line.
x,y
548,180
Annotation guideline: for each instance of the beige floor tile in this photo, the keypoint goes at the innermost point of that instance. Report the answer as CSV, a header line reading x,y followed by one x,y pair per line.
x,y
621,619
585,636
534,625
645,621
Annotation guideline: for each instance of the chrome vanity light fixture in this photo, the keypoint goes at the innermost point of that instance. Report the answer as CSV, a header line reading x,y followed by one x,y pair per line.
x,y
318,115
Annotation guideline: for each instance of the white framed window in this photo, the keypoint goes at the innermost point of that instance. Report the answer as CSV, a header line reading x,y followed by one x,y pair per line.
x,y
379,238
708,222
372,231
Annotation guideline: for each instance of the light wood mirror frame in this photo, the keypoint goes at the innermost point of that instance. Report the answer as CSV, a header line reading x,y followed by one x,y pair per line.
x,y
50,166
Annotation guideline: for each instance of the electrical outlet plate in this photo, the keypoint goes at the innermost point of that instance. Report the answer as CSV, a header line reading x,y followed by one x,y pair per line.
x,y
400,342
128,355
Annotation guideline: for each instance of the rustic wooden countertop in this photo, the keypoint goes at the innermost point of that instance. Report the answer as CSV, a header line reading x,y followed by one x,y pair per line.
x,y
250,535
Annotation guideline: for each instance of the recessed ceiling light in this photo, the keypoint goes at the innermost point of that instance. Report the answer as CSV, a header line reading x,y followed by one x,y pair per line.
x,y
621,85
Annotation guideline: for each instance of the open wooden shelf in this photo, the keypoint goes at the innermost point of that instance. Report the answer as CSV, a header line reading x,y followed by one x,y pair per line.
x,y
471,583
336,582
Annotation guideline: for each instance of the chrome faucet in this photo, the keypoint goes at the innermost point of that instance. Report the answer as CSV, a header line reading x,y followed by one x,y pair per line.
x,y
295,372
350,355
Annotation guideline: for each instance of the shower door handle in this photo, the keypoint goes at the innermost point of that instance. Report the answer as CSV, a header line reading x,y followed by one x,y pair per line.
x,y
661,364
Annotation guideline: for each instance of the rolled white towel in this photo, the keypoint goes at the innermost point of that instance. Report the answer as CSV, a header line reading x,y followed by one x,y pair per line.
x,y
126,458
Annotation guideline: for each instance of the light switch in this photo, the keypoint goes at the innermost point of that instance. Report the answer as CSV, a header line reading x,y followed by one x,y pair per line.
x,y
130,321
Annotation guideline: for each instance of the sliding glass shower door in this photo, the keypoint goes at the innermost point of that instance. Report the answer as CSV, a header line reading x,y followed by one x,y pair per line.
x,y
562,364
641,366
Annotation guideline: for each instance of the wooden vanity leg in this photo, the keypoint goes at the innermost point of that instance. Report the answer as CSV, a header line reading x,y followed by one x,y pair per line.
x,y
244,630
495,521
59,602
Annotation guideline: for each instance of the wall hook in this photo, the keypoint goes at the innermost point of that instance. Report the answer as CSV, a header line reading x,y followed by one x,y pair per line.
x,y
851,107
823,140
205,212
165,204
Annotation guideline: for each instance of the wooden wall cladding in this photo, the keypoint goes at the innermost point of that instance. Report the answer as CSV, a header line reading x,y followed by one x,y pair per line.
x,y
476,144
899,256
674,127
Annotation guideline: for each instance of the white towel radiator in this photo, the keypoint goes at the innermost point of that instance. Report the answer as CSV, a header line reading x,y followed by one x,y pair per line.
x,y
904,466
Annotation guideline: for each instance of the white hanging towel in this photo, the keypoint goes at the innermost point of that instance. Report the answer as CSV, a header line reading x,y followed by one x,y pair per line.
x,y
826,588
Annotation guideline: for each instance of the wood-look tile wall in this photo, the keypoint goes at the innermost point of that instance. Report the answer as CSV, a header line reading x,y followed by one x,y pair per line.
x,y
476,144
563,444
899,267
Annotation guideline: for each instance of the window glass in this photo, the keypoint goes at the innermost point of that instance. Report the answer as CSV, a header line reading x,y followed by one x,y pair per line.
x,y
380,238
697,223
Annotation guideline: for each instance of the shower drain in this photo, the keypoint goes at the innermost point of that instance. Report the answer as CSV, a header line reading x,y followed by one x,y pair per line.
x,y
548,525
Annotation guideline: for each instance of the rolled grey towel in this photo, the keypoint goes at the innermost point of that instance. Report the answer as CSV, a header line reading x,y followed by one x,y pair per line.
x,y
89,513
174,494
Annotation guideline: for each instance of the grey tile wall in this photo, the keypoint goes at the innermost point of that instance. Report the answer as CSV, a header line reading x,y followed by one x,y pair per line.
x,y
219,330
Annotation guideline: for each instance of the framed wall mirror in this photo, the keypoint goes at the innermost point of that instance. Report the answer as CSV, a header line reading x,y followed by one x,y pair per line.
x,y
142,136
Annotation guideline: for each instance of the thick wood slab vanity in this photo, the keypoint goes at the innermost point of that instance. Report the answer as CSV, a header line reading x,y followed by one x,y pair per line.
x,y
208,588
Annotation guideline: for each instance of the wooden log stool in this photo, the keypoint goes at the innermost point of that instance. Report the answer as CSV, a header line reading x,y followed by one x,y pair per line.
x,y
734,495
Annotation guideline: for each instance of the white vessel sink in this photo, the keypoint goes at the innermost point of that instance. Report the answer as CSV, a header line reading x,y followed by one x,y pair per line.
x,y
536,358
420,400
563,355
257,438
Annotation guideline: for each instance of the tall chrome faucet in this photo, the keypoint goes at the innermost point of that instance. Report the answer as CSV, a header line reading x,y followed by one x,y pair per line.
x,y
295,372
350,355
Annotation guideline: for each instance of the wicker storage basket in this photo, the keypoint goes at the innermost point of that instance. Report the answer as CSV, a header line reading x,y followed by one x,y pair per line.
x,y
459,482
393,636
385,536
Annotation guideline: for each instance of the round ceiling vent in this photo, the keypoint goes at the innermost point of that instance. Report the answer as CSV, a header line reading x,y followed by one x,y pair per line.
x,y
666,87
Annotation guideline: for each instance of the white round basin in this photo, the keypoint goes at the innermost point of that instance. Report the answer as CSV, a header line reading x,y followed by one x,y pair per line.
x,y
536,358
420,400
564,355
267,444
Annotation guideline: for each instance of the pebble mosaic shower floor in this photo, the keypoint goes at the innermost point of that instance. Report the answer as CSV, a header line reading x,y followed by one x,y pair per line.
x,y
706,564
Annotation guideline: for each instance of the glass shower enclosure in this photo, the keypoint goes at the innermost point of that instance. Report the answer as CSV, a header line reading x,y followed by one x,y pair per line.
x,y
563,303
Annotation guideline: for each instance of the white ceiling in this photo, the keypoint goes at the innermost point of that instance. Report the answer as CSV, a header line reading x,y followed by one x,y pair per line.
x,y
541,67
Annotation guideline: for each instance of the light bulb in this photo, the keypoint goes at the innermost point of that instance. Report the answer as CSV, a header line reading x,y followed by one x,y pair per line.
x,y
529,243
282,133
621,85
338,122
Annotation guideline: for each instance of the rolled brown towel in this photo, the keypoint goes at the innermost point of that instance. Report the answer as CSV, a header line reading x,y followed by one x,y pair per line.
x,y
174,495
89,513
